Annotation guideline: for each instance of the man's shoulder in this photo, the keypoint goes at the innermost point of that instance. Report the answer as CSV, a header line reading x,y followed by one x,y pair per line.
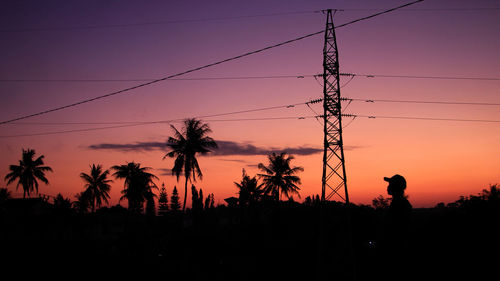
x,y
401,203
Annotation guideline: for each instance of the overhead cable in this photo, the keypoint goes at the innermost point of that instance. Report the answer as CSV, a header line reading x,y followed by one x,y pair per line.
x,y
201,67
155,122
424,102
421,118
162,22
421,77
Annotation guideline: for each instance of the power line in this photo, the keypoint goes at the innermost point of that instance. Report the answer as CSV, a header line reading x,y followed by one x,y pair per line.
x,y
156,122
379,13
81,130
428,10
299,76
216,19
126,124
253,110
256,119
423,102
318,100
203,67
421,118
262,119
421,77
162,22
308,103
296,76
159,80
133,123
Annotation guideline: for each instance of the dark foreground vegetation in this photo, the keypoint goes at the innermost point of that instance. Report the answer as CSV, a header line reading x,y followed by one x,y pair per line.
x,y
268,239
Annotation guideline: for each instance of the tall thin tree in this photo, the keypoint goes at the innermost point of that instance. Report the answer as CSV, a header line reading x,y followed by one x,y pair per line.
x,y
185,146
97,185
163,200
174,200
28,172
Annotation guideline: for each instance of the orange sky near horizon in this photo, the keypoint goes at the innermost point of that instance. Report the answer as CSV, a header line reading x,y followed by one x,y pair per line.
x,y
441,160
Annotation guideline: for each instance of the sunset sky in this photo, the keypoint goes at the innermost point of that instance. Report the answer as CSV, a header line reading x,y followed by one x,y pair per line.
x,y
56,53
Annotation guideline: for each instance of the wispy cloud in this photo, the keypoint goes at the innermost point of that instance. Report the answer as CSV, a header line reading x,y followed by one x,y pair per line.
x,y
167,172
231,148
137,146
226,148
232,160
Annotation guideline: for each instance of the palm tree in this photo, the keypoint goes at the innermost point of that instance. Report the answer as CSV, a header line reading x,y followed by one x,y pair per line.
x,y
28,172
279,178
82,202
97,185
185,146
138,184
250,191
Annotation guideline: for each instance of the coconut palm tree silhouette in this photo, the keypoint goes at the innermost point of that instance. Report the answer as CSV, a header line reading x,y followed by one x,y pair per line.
x,y
82,202
279,178
28,172
138,184
250,191
185,145
97,185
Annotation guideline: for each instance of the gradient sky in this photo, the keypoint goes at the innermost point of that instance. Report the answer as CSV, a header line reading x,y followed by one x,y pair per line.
x,y
65,40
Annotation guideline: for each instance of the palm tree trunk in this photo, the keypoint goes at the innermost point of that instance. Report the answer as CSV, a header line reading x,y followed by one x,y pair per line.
x,y
185,195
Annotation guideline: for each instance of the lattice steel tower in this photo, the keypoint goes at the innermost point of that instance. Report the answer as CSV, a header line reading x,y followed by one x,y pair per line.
x,y
334,180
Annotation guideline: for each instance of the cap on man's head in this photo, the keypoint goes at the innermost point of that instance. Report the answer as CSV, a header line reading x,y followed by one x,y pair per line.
x,y
396,180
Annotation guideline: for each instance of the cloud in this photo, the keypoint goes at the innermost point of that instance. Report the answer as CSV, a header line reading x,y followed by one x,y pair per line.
x,y
352,147
137,146
226,148
231,148
232,160
167,172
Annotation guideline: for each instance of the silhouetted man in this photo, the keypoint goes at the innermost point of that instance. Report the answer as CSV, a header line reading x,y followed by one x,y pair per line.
x,y
395,242
399,212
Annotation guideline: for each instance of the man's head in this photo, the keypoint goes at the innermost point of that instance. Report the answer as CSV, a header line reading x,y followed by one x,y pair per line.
x,y
397,185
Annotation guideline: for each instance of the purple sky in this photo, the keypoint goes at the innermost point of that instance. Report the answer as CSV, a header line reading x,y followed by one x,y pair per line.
x,y
58,40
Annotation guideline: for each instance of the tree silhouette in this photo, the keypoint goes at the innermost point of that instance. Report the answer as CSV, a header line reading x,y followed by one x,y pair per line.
x,y
82,202
163,200
249,189
28,172
174,200
492,194
97,186
381,203
138,184
4,194
197,199
279,178
150,202
62,204
185,146
210,202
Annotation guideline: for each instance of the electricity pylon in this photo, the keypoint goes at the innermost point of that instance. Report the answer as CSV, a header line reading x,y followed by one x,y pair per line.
x,y
334,173
334,180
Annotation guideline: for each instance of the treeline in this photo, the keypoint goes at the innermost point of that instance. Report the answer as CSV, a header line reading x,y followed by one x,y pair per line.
x,y
235,241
